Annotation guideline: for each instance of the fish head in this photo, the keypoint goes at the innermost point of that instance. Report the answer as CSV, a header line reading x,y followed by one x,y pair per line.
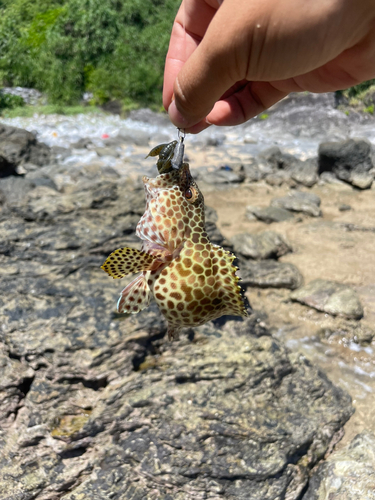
x,y
174,210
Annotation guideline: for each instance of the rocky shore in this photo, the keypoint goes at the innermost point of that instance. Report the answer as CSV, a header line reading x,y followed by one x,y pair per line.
x,y
94,404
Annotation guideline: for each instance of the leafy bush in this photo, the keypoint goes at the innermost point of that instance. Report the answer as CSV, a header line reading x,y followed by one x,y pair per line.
x,y
113,48
8,101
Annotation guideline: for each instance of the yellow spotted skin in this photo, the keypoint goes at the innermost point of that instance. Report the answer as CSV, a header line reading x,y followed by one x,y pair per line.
x,y
192,280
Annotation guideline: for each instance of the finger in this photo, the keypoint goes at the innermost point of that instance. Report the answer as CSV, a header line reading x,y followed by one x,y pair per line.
x,y
250,101
190,25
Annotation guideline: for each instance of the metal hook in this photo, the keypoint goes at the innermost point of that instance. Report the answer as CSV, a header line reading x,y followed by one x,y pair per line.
x,y
178,156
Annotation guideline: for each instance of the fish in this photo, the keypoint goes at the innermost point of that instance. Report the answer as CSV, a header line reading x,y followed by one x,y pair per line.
x,y
191,279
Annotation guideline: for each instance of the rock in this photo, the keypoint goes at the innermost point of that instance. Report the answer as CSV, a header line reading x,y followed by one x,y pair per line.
x,y
298,201
344,207
305,172
361,180
84,143
350,332
270,274
212,230
223,175
30,96
330,297
266,245
277,178
94,404
18,145
348,474
133,136
349,160
277,159
107,152
252,172
269,214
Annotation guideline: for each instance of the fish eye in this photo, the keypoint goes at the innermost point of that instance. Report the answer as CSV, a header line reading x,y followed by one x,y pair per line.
x,y
191,194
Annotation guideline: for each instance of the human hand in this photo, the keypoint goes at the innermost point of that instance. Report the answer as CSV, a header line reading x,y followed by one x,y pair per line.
x,y
227,64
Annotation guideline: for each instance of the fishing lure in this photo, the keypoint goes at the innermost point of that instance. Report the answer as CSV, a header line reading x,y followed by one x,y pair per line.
x,y
191,279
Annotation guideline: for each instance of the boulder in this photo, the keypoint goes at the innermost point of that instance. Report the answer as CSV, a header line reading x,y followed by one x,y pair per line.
x,y
266,245
133,136
350,160
268,214
18,145
270,274
298,201
330,297
348,474
96,404
305,172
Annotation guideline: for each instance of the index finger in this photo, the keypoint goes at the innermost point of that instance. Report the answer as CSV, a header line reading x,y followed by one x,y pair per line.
x,y
189,27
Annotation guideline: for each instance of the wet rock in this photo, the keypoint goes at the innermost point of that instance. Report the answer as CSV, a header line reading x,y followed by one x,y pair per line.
x,y
133,136
230,414
269,214
330,297
350,332
348,474
298,201
96,404
305,172
349,160
270,274
266,245
18,145
223,175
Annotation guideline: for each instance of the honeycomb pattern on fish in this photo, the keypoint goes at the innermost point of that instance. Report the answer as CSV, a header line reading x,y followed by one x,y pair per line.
x,y
192,280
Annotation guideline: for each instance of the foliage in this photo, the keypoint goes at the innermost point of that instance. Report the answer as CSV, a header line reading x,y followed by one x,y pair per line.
x,y
8,101
49,109
112,48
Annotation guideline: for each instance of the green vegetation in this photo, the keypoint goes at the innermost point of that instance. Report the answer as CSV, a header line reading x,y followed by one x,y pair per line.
x,y
263,116
10,101
112,48
49,109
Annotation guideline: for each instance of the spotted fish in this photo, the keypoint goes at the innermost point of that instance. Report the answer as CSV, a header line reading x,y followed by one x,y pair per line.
x,y
192,280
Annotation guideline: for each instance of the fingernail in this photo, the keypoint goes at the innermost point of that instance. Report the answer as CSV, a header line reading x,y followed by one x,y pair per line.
x,y
176,117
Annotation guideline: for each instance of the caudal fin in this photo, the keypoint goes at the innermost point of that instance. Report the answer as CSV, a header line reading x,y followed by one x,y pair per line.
x,y
124,261
134,297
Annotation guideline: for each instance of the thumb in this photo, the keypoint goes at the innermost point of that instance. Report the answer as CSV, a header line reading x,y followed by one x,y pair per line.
x,y
202,81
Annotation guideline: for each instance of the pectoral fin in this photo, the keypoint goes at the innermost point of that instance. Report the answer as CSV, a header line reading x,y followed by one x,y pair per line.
x,y
124,261
134,297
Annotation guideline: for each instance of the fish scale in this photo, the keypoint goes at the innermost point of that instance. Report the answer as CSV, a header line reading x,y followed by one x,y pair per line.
x,y
191,279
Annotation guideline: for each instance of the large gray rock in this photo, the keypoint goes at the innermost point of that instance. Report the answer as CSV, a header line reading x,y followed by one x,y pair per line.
x,y
270,274
268,214
330,297
305,172
133,136
350,160
348,474
18,145
266,245
299,201
94,404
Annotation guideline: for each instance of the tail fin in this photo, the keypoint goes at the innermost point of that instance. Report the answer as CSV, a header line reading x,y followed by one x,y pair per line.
x,y
125,261
134,297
